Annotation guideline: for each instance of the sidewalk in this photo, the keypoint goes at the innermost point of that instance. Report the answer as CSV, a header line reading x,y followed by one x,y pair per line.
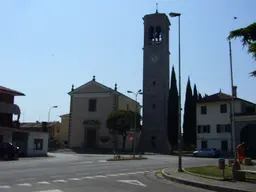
x,y
215,185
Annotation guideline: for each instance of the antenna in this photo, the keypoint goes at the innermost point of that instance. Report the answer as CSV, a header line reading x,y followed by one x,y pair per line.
x,y
156,7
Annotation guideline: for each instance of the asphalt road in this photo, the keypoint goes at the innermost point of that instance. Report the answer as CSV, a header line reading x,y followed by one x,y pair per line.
x,y
68,172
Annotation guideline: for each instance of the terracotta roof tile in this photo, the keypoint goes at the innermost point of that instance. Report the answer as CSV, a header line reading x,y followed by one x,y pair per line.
x,y
36,124
219,97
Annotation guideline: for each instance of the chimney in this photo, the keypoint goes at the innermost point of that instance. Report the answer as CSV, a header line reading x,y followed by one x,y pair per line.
x,y
234,91
115,87
93,78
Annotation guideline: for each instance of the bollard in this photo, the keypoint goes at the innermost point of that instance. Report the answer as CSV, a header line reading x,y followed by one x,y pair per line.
x,y
237,176
221,165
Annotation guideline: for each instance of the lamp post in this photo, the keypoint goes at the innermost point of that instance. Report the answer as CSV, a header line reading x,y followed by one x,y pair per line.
x,y
49,112
135,118
232,102
172,14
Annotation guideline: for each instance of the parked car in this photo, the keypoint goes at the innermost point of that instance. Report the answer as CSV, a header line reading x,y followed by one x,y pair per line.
x,y
206,153
9,151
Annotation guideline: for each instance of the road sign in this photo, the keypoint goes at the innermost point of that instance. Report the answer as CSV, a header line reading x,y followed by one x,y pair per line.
x,y
132,182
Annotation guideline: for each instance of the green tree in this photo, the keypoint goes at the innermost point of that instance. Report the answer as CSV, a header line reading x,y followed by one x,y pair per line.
x,y
173,114
248,35
120,122
188,117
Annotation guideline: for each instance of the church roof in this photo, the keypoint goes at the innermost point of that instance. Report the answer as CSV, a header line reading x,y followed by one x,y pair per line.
x,y
108,89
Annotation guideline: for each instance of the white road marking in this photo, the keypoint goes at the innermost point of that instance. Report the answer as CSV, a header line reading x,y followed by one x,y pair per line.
x,y
25,184
58,176
122,174
112,175
87,177
81,163
100,176
142,172
132,173
59,181
51,190
133,182
102,161
44,182
74,179
5,187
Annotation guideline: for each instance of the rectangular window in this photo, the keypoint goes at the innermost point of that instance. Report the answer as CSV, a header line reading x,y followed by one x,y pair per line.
x,y
92,105
224,145
223,108
208,128
228,128
203,110
203,128
38,144
222,128
199,129
218,128
204,144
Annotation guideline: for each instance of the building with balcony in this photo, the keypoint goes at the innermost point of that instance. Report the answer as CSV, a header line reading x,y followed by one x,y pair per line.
x,y
30,143
7,111
214,122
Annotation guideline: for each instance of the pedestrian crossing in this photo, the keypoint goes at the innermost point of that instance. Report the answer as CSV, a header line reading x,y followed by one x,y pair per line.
x,y
47,183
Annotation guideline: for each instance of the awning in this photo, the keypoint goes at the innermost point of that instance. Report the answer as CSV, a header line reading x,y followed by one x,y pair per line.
x,y
9,108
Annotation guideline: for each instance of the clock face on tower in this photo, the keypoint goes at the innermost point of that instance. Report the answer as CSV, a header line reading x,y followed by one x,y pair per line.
x,y
154,58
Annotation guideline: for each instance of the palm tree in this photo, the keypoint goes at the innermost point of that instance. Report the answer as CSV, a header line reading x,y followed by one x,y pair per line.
x,y
248,35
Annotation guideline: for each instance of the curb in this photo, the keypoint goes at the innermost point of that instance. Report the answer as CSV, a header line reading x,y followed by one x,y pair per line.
x,y
201,185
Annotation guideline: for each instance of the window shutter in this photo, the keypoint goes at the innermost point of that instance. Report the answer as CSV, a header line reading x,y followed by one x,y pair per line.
x,y
228,128
218,128
208,128
199,128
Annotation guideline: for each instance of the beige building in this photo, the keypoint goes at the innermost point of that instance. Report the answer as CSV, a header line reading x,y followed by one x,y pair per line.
x,y
63,133
90,106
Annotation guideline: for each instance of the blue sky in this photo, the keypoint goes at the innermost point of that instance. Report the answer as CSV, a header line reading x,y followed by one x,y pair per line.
x,y
46,46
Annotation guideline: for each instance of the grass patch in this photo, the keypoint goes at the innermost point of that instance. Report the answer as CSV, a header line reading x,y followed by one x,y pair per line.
x,y
213,171
158,171
121,158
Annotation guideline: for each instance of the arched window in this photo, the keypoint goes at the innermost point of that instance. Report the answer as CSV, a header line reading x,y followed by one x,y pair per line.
x,y
159,34
151,32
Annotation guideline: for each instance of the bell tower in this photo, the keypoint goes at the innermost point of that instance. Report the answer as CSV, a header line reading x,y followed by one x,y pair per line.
x,y
156,79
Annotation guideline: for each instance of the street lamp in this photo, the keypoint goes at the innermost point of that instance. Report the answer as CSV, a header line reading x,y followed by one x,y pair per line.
x,y
139,92
49,112
232,103
172,14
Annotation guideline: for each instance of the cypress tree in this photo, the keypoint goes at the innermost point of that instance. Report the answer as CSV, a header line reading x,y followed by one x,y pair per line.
x,y
200,96
194,127
188,116
173,103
